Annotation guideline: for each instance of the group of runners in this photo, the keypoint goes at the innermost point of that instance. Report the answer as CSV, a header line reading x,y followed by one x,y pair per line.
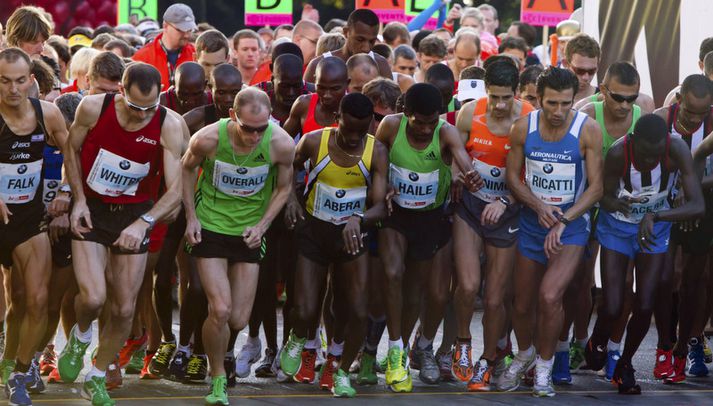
x,y
374,191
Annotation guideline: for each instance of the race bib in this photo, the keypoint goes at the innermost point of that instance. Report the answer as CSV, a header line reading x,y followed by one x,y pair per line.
x,y
336,205
415,189
239,181
649,201
49,190
551,182
494,181
113,175
19,182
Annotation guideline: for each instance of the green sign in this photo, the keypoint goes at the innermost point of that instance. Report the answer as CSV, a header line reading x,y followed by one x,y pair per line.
x,y
413,7
142,8
268,12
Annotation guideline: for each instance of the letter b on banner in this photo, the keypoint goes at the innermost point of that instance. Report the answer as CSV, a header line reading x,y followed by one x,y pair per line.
x,y
142,8
268,12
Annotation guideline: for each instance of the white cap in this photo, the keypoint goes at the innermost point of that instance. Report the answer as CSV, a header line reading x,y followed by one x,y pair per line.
x,y
471,89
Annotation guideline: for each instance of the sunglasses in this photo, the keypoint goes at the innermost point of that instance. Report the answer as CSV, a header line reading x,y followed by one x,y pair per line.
x,y
250,129
621,99
582,71
136,107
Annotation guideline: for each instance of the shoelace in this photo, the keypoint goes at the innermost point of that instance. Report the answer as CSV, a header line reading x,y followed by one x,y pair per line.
x,y
394,359
341,380
293,349
514,369
195,365
542,376
163,354
100,388
428,360
246,354
464,360
480,372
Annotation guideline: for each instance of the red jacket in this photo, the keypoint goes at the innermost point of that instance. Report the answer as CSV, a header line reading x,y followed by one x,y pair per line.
x,y
153,54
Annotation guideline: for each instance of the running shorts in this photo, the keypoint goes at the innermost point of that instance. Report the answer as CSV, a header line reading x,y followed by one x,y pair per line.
x,y
322,242
501,235
623,237
531,240
426,232
27,221
230,247
109,220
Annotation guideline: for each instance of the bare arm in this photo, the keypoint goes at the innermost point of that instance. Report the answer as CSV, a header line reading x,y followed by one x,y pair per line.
x,y
379,180
293,125
613,170
700,156
591,144
194,119
174,134
694,206
310,72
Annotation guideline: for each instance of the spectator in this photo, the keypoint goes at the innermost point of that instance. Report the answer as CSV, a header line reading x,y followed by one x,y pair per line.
x,y
247,46
120,48
395,34
28,29
79,70
212,49
305,35
330,43
405,60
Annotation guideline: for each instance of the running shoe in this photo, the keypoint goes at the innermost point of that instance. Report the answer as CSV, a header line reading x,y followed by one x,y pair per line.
x,y
462,361
482,374
71,360
6,368
144,372
48,360
396,366
342,386
161,360
136,364
197,369
577,362
624,378
707,349
33,379
16,391
130,347
54,377
229,367
612,360
326,374
291,354
664,364
381,365
94,390
595,354
445,364
178,365
219,392
510,379
113,376
542,386
696,358
264,370
560,368
404,386
248,355
356,364
306,373
428,372
367,374
679,370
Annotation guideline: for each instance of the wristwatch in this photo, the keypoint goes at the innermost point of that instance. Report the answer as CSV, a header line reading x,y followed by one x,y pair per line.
x,y
148,219
504,200
564,220
65,188
360,215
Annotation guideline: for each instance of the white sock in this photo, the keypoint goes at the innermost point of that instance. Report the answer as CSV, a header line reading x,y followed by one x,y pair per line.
x,y
612,346
503,343
94,372
314,343
582,342
253,341
398,343
423,342
336,349
526,354
185,348
562,346
83,336
541,363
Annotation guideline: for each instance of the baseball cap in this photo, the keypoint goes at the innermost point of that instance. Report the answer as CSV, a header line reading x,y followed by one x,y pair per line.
x,y
180,16
79,39
471,89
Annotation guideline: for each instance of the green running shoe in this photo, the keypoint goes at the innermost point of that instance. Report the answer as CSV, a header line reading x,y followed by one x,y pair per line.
x,y
291,355
396,366
6,368
367,375
136,364
71,360
219,392
94,390
342,387
576,357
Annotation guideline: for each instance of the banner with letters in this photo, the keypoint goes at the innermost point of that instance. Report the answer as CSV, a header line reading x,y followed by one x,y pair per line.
x,y
268,12
387,10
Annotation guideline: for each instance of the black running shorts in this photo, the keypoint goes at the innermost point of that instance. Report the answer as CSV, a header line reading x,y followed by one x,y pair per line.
x,y
322,242
501,235
109,220
230,247
426,232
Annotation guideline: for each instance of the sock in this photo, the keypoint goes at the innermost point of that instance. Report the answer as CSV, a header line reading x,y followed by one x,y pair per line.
x,y
612,346
21,368
397,343
503,343
562,346
253,341
526,354
94,372
582,342
336,348
423,342
185,348
83,336
541,363
314,343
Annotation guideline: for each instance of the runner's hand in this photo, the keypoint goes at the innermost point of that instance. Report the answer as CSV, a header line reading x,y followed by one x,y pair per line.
x,y
293,213
472,180
132,236
553,245
193,231
253,236
492,213
389,198
59,226
623,205
351,234
5,212
80,220
646,232
59,205
548,216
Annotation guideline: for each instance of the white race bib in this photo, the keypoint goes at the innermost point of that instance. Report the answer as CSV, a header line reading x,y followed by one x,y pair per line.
x,y
336,205
494,181
650,201
113,175
19,182
239,181
551,182
415,190
49,191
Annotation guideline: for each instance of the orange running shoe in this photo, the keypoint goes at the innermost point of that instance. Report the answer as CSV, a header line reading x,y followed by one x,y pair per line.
x,y
130,346
326,375
462,366
54,377
480,382
48,360
306,372
145,374
679,370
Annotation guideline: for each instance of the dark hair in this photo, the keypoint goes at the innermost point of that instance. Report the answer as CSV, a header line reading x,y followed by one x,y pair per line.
x,y
249,34
288,27
12,54
526,32
557,79
497,59
708,64
44,76
439,72
27,23
513,43
530,75
81,30
102,39
404,51
333,23
356,105
212,41
400,103
422,98
650,128
203,27
126,49
624,72
697,84
433,46
225,69
67,104
383,50
382,91
143,75
364,16
332,63
286,63
584,45
104,28
395,30
286,48
502,74
416,42
107,65
62,50
472,72
706,46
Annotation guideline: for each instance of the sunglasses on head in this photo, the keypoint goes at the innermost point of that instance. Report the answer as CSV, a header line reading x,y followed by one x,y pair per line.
x,y
621,99
136,107
582,71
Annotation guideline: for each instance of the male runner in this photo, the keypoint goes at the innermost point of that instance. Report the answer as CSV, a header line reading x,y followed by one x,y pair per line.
x,y
105,72
285,86
115,148
421,149
247,171
361,31
225,83
331,234
247,46
466,51
189,91
212,50
361,68
559,151
582,55
486,221
639,174
28,125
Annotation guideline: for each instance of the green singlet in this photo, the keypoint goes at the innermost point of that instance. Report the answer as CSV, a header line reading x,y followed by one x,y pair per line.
x,y
608,140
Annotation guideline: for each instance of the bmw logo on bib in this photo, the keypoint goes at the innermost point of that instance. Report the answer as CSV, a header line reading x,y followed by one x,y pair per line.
x,y
242,170
52,184
125,165
548,168
495,172
22,169
340,193
413,176
644,200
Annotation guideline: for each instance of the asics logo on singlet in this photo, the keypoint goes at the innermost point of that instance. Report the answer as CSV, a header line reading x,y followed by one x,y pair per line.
x,y
413,176
145,140
22,169
260,158
125,165
507,147
18,144
242,170
340,193
19,155
550,155
548,168
431,156
495,172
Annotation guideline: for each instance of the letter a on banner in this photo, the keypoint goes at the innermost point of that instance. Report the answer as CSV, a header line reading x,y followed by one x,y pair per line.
x,y
268,12
387,10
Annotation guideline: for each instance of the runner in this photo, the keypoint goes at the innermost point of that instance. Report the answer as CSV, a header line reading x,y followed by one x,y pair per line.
x,y
331,233
285,86
105,72
559,151
122,197
486,221
227,247
28,125
361,69
582,55
639,175
189,91
212,50
431,50
225,83
421,149
247,46
466,51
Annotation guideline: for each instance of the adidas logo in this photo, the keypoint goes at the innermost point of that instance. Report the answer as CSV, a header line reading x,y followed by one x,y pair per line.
x,y
431,156
260,158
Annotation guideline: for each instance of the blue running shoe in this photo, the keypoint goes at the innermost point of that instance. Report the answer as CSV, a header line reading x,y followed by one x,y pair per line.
x,y
560,369
16,391
696,358
612,359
